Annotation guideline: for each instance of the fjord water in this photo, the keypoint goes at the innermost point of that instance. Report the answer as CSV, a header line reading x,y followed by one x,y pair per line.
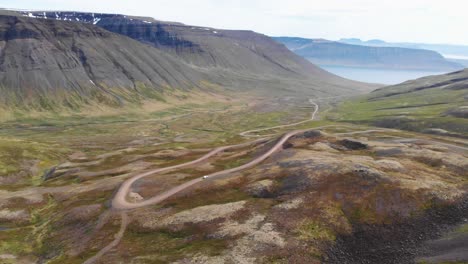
x,y
382,76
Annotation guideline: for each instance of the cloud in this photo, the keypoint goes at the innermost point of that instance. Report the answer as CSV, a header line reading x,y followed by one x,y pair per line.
x,y
395,20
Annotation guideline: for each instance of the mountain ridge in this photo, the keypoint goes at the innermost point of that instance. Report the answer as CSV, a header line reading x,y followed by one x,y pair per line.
x,y
434,104
332,53
115,56
444,49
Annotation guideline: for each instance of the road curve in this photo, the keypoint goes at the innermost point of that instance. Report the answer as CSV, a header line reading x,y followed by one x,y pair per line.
x,y
120,202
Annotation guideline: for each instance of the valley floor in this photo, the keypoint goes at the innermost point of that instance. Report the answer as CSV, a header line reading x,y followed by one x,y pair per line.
x,y
338,183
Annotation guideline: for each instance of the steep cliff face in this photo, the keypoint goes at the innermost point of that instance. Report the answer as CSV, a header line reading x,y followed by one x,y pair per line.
x,y
236,59
331,53
150,32
202,46
52,58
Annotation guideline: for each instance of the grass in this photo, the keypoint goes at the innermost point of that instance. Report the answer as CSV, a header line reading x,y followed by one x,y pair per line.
x,y
314,230
50,139
16,241
223,195
27,159
166,247
462,229
416,111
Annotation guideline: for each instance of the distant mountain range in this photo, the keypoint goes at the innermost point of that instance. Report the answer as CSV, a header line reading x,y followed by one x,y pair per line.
x,y
332,53
447,50
54,59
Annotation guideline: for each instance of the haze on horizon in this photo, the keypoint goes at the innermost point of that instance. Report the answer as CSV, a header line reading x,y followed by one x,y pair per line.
x,y
423,21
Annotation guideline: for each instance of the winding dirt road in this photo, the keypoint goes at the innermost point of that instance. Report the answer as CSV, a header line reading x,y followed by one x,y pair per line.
x,y
120,202
120,198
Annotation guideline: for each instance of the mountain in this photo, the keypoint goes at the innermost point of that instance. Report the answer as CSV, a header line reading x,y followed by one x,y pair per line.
x,y
463,62
447,50
45,60
332,53
455,81
434,104
51,59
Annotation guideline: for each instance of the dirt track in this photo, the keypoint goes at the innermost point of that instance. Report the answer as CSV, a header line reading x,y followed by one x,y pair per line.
x,y
120,199
119,202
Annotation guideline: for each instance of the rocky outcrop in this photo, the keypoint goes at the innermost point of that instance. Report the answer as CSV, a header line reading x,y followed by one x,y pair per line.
x,y
261,189
198,215
18,216
353,144
461,112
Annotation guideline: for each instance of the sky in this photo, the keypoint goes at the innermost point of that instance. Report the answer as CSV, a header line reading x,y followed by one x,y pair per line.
x,y
425,21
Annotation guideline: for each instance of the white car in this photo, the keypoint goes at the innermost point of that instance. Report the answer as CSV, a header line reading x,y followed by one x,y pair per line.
x,y
205,177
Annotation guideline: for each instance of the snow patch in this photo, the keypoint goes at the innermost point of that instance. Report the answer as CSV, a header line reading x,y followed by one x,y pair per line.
x,y
216,32
96,20
147,22
92,82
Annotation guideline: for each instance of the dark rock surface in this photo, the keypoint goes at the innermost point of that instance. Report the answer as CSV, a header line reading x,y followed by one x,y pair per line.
x,y
353,144
461,112
401,242
50,59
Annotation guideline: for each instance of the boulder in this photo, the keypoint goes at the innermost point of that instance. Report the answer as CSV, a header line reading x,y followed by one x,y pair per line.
x,y
261,189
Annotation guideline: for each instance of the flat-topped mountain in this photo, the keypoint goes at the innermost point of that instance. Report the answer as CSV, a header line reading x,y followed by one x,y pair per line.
x,y
332,53
448,50
82,57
